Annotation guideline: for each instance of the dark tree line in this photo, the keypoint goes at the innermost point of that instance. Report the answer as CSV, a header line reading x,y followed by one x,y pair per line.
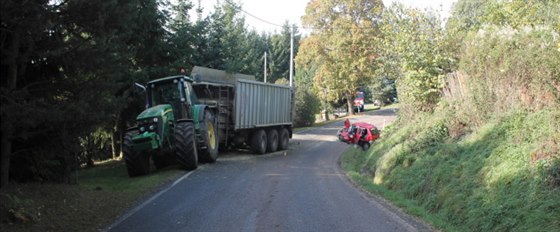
x,y
67,68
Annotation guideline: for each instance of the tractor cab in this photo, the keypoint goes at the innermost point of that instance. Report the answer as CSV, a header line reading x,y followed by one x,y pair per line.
x,y
175,91
168,100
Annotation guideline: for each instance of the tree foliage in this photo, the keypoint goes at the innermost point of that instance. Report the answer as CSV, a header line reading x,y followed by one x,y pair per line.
x,y
68,67
415,52
342,46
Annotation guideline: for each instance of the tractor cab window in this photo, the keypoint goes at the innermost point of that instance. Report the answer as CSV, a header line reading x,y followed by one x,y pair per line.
x,y
164,93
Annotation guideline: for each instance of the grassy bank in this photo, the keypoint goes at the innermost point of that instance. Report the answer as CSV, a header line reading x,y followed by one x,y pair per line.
x,y
503,176
102,194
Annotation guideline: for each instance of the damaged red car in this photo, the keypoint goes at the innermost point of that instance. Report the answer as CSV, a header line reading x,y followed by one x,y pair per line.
x,y
360,133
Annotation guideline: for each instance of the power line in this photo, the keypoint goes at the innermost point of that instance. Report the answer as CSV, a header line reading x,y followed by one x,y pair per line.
x,y
299,27
254,16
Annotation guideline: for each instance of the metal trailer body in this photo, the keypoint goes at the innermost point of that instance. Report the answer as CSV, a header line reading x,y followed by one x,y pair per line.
x,y
259,104
243,106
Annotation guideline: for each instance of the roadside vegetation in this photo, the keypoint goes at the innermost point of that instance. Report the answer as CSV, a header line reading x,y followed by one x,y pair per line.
x,y
483,152
505,176
100,196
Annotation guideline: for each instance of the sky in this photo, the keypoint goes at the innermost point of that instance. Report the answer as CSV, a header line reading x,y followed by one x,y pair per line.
x,y
279,11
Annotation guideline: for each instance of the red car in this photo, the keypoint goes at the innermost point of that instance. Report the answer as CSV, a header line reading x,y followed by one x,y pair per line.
x,y
359,133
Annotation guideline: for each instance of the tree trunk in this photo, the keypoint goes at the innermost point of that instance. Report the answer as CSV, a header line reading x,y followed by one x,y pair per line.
x,y
350,104
7,125
6,146
113,144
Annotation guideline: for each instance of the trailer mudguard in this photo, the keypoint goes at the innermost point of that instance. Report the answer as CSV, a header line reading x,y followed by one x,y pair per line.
x,y
198,115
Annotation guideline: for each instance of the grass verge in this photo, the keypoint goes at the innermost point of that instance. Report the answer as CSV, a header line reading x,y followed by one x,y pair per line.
x,y
503,176
102,194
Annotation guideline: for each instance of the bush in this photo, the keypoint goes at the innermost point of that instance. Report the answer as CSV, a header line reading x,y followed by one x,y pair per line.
x,y
306,106
511,68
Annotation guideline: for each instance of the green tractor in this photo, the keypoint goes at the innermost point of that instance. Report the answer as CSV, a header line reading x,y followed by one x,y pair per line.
x,y
173,129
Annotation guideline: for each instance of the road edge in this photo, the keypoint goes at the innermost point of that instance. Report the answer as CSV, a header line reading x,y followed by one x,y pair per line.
x,y
146,202
407,220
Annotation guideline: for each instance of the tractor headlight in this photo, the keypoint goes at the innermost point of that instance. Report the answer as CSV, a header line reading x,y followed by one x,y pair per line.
x,y
152,127
155,119
142,129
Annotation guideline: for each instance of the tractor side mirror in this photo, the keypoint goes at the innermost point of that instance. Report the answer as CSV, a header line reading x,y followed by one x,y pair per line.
x,y
139,86
142,89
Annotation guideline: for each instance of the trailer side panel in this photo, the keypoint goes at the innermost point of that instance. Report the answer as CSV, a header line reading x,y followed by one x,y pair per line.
x,y
259,104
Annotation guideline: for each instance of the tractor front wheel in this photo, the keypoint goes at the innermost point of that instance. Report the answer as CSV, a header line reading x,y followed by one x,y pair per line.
x,y
185,147
137,163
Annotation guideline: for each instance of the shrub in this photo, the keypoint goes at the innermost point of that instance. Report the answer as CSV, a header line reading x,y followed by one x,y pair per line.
x,y
306,106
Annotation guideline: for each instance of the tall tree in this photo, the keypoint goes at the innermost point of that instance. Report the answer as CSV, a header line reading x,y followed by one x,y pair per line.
x,y
22,27
70,65
226,38
415,52
255,46
279,62
343,43
187,40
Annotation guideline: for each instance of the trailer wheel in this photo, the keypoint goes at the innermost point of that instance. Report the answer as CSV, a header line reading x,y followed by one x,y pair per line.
x,y
258,142
284,139
185,147
137,163
209,132
272,140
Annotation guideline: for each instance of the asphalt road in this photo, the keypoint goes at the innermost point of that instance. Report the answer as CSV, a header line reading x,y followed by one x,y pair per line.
x,y
302,189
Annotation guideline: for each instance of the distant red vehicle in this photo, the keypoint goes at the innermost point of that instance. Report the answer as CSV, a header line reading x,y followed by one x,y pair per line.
x,y
359,101
359,133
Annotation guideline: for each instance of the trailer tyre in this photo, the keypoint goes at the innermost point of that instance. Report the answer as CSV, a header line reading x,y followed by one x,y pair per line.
x,y
185,147
258,142
284,139
272,140
137,163
209,132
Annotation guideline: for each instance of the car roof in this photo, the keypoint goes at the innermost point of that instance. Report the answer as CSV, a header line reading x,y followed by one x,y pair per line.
x,y
364,125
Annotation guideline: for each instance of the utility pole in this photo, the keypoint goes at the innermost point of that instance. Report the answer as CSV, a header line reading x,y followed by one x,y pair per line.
x,y
265,67
291,56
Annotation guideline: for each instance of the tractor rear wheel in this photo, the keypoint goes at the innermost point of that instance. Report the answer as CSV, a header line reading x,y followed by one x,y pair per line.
x,y
272,140
258,142
209,132
185,147
137,163
284,137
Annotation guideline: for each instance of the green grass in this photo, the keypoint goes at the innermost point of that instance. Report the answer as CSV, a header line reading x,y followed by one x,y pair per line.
x,y
503,176
113,177
102,194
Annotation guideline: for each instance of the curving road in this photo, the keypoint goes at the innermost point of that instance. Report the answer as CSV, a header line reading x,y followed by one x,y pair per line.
x,y
302,189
